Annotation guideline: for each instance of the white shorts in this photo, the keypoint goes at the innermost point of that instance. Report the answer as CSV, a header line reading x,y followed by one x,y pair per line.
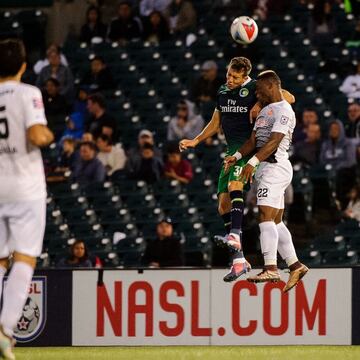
x,y
272,179
22,227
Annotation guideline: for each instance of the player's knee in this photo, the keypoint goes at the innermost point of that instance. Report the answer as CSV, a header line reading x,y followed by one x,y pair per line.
x,y
30,260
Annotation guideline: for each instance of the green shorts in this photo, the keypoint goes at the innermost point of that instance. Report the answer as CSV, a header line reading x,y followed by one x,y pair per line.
x,y
232,175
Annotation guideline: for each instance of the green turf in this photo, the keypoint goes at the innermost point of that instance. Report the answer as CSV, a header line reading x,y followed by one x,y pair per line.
x,y
192,352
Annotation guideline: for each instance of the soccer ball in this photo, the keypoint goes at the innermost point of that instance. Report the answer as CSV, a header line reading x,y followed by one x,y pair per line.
x,y
244,30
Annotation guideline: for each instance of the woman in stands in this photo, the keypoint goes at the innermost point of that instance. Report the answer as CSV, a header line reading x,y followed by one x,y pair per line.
x,y
79,257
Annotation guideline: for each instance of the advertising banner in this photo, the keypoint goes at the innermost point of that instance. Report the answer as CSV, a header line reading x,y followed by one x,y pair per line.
x,y
195,307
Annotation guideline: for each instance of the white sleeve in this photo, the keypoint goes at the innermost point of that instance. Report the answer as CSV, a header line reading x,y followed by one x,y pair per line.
x,y
33,107
283,122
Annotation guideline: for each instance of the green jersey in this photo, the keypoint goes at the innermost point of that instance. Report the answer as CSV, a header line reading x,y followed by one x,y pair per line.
x,y
234,106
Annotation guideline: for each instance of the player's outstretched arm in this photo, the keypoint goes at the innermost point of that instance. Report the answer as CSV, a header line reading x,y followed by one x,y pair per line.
x,y
40,135
209,130
290,98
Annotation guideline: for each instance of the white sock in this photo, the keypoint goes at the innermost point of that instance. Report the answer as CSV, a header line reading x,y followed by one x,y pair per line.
x,y
15,295
286,247
269,242
2,274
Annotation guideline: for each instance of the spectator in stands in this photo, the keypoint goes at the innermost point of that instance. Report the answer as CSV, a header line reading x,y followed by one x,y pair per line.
x,y
352,126
57,71
308,117
340,152
68,157
205,87
146,7
74,125
166,249
181,16
145,137
87,137
80,104
99,77
78,258
352,210
308,150
177,168
186,124
112,156
147,167
100,122
265,8
89,168
94,27
351,85
321,23
126,26
156,28
40,64
55,104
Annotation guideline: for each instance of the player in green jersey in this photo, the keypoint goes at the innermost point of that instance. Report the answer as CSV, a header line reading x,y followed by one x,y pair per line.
x,y
236,106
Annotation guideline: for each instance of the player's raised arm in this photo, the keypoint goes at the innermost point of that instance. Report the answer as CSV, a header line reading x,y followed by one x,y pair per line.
x,y
209,130
40,135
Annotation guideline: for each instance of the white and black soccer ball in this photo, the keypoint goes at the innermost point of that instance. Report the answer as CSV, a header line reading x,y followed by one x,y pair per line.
x,y
244,30
29,319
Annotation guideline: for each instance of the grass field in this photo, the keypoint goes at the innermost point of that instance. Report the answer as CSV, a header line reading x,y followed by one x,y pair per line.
x,y
192,352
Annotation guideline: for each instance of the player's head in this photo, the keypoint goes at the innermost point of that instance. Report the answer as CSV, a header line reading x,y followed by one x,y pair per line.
x,y
268,84
238,72
12,58
87,151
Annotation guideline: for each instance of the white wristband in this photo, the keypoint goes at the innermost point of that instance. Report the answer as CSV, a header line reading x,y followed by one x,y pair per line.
x,y
238,156
254,161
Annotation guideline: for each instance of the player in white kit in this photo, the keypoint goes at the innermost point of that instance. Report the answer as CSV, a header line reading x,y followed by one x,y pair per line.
x,y
22,185
271,139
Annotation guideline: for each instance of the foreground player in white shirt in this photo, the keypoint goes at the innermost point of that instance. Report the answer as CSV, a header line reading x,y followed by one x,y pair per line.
x,y
22,185
271,139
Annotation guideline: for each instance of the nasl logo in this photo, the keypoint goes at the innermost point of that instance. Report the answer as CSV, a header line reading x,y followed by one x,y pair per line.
x,y
33,318
244,92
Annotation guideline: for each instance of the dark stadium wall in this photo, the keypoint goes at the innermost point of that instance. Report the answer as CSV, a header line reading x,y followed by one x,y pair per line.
x,y
356,306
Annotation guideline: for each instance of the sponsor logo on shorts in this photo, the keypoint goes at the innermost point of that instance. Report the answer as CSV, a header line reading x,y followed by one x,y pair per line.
x,y
33,318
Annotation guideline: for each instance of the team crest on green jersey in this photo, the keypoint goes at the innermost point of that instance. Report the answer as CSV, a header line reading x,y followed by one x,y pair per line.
x,y
244,92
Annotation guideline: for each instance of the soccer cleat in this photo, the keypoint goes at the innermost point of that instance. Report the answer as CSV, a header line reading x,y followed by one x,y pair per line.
x,y
6,345
236,271
295,276
265,276
228,240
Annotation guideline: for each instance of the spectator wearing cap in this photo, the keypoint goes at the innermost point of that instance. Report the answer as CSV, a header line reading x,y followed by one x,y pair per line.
x,y
145,137
111,156
177,168
206,86
186,124
58,71
100,122
88,169
165,250
147,166
93,27
181,16
156,28
99,77
74,126
126,26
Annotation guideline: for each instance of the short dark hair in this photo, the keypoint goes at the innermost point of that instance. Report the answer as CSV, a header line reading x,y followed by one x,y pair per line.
x,y
241,63
270,76
172,148
54,81
12,56
90,144
105,138
98,99
98,58
93,8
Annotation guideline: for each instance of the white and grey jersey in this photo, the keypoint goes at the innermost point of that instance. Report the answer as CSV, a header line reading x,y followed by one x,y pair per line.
x,y
276,117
